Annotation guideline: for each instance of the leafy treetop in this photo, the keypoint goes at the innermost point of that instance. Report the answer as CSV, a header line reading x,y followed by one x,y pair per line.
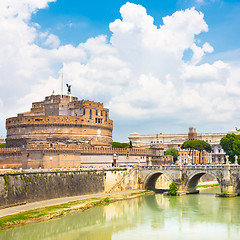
x,y
199,145
120,145
231,145
3,145
172,152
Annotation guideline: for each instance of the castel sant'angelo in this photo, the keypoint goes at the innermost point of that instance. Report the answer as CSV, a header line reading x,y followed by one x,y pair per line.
x,y
61,119
61,132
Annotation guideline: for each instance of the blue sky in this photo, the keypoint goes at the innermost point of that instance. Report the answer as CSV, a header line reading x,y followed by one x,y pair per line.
x,y
160,66
75,21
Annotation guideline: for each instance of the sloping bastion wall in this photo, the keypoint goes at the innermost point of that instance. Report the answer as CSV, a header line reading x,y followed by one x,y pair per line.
x,y
19,187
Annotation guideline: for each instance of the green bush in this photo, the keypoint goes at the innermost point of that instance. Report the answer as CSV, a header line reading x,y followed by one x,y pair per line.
x,y
3,145
173,188
106,200
224,194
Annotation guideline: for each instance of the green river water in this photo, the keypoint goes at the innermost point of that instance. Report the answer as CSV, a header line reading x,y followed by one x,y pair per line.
x,y
201,216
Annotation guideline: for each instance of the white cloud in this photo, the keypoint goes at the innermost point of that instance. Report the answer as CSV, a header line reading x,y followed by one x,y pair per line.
x,y
52,41
140,73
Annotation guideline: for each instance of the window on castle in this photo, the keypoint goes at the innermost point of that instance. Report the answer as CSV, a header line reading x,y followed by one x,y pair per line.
x,y
106,116
98,120
90,112
96,112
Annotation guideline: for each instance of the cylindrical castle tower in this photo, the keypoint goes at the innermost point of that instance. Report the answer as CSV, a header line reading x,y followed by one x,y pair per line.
x,y
61,119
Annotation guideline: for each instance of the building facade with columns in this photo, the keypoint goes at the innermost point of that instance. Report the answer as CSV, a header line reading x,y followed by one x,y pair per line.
x,y
161,142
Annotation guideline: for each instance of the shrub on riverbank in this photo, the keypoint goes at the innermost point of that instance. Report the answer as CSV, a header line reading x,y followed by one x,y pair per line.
x,y
173,188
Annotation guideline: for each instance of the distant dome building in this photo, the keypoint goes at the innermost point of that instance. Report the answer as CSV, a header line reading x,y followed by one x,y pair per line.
x,y
61,119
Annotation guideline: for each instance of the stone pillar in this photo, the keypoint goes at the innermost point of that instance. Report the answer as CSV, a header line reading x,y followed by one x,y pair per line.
x,y
150,161
179,161
227,184
227,159
179,180
236,160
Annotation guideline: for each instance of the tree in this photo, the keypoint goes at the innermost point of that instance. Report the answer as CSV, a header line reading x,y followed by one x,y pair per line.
x,y
231,145
172,152
173,188
198,145
3,145
130,144
120,145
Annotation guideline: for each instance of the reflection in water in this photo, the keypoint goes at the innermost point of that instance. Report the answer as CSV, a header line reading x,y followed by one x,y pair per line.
x,y
151,217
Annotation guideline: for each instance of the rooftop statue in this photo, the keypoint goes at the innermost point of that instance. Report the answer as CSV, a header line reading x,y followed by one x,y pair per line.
x,y
68,88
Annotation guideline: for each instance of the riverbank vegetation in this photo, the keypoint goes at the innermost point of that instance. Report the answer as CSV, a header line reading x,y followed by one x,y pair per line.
x,y
173,189
208,185
51,212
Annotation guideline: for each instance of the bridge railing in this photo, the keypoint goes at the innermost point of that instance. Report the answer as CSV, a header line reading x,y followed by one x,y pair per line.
x,y
219,166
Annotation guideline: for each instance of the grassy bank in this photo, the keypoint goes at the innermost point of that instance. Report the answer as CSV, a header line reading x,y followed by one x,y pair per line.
x,y
47,213
208,185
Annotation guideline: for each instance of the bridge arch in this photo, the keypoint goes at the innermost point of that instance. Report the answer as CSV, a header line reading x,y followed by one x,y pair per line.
x,y
192,181
238,188
151,179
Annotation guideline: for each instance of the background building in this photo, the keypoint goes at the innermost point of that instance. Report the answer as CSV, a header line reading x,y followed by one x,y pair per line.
x,y
161,142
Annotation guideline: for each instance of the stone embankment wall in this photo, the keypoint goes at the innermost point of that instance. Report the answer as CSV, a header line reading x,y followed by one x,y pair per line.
x,y
129,181
29,186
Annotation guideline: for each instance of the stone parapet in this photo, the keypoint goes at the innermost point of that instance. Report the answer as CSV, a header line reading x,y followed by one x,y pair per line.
x,y
89,150
8,151
80,121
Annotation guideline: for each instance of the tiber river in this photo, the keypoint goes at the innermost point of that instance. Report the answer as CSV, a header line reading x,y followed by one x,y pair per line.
x,y
202,216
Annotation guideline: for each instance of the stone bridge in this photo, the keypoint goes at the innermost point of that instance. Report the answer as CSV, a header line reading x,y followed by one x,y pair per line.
x,y
186,177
